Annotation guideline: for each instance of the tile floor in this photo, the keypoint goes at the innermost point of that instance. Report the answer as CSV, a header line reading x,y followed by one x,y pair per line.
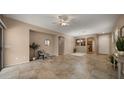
x,y
63,67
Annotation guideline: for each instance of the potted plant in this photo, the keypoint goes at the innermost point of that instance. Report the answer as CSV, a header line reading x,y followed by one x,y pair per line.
x,y
34,46
120,45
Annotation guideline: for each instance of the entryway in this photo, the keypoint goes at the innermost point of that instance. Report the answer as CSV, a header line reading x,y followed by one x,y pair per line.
x,y
90,45
61,41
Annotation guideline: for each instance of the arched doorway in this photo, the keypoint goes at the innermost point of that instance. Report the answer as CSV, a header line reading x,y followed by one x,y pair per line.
x,y
91,46
61,41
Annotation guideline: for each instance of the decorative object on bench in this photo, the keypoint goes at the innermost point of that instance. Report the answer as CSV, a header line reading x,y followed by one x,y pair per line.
x,y
43,55
34,46
120,45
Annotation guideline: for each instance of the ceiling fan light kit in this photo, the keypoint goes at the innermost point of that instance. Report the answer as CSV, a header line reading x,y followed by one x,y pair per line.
x,y
63,20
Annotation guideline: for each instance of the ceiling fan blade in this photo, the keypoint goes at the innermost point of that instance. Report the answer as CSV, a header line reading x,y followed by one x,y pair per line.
x,y
63,20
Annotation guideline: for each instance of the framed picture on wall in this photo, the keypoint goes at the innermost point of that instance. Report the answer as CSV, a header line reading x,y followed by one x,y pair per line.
x,y
47,42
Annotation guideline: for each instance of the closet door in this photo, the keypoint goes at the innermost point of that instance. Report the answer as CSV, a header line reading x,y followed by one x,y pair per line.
x,y
104,44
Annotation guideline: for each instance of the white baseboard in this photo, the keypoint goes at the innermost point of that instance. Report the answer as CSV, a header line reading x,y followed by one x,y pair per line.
x,y
16,64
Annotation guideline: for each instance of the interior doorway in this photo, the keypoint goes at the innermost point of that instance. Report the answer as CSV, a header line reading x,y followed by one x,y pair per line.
x,y
61,41
90,45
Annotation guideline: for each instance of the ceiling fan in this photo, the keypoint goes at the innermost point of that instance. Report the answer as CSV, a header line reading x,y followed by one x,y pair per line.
x,y
63,20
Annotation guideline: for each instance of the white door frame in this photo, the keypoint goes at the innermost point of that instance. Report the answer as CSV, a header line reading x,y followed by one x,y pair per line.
x,y
2,26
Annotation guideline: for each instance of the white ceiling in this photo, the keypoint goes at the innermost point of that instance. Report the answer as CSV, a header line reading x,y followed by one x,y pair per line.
x,y
81,24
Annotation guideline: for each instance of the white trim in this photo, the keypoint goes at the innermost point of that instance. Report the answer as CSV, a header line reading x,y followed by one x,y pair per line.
x,y
2,26
17,64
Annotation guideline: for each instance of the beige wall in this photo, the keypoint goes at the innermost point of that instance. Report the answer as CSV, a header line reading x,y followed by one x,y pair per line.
x,y
39,38
16,41
120,22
